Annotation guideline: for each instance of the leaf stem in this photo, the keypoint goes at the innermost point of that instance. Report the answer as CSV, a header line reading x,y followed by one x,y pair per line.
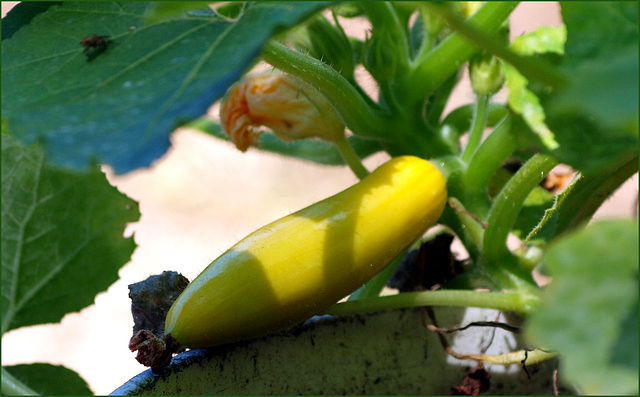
x,y
509,201
488,156
529,67
11,386
350,157
354,110
507,301
434,67
478,124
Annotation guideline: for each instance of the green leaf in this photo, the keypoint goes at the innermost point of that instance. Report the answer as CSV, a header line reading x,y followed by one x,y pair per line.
x,y
595,117
62,237
164,10
313,150
522,100
48,379
586,310
120,107
22,14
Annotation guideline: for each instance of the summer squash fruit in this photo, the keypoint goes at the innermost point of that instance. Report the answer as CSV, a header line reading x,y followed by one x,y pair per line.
x,y
301,264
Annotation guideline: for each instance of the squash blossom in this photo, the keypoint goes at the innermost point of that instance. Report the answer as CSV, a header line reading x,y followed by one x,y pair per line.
x,y
291,108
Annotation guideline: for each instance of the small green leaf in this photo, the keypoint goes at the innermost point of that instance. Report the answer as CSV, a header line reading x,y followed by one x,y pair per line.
x,y
585,311
523,101
49,380
120,106
62,237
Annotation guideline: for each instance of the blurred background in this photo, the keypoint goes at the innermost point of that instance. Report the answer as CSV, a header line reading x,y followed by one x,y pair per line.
x,y
196,202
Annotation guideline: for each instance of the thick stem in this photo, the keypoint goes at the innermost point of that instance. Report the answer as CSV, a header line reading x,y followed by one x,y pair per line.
x,y
354,110
507,301
486,158
507,205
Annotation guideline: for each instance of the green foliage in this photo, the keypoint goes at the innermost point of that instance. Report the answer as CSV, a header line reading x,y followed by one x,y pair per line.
x,y
62,237
522,100
48,379
595,117
113,109
589,312
572,98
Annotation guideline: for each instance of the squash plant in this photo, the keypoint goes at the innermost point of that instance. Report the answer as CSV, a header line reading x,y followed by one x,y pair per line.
x,y
91,83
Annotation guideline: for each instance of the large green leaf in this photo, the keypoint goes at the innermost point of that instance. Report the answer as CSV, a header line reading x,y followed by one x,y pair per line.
x,y
62,237
595,117
50,380
589,311
120,106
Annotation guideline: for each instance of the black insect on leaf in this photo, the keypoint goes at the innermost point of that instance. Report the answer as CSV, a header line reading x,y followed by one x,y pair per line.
x,y
95,45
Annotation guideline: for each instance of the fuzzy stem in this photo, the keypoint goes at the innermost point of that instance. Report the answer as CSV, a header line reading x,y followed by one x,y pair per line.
x,y
353,109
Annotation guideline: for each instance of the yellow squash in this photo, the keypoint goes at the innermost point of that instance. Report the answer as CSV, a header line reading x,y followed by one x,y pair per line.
x,y
301,264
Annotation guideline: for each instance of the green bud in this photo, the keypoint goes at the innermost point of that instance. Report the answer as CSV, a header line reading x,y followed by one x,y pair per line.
x,y
486,74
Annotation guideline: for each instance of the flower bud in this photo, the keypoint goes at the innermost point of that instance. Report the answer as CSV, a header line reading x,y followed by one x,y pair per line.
x,y
291,108
486,74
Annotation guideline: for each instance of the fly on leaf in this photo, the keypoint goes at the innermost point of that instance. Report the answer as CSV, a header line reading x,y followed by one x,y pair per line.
x,y
95,45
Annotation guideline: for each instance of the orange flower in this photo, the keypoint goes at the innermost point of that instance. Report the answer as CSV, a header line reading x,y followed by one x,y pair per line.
x,y
291,108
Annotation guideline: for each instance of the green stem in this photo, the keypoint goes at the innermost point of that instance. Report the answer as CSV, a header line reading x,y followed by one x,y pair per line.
x,y
354,110
536,69
430,70
488,157
477,126
460,118
507,301
351,158
11,386
508,203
